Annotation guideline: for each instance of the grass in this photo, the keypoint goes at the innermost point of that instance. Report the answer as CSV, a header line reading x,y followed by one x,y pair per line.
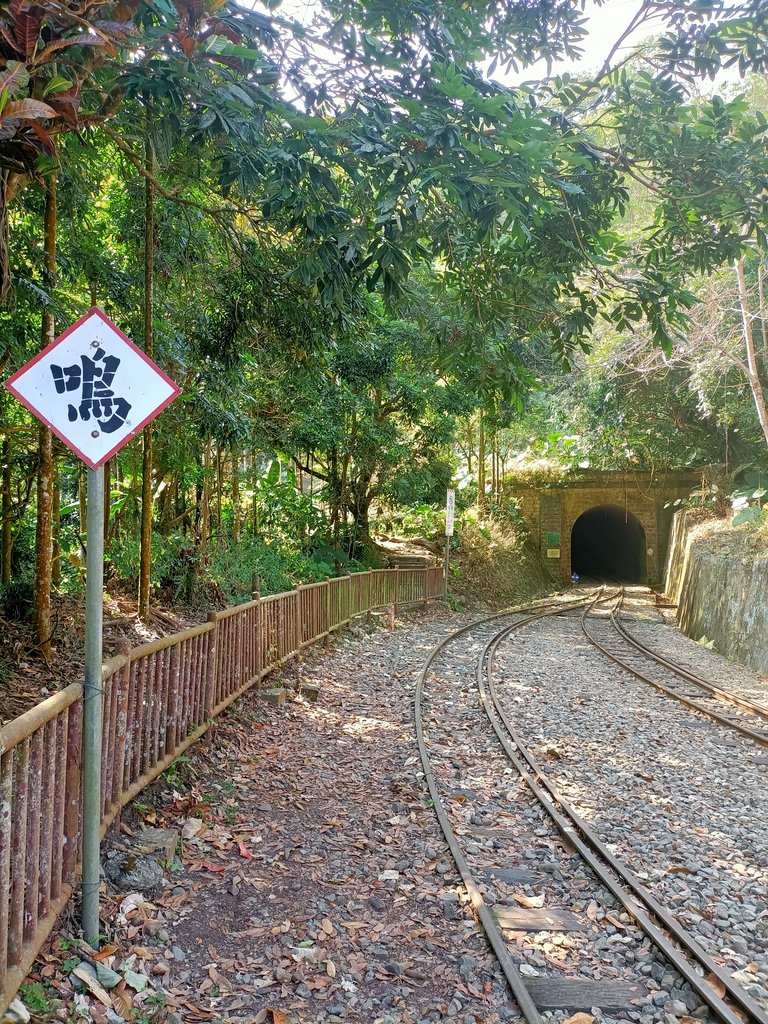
x,y
37,997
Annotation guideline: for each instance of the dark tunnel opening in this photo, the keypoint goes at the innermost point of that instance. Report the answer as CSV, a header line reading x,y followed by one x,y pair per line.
x,y
608,543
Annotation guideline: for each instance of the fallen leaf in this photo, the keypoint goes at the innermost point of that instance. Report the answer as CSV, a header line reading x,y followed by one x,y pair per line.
x,y
245,852
716,984
218,979
121,999
92,985
191,827
131,902
143,953
579,1018
330,968
137,981
105,952
530,902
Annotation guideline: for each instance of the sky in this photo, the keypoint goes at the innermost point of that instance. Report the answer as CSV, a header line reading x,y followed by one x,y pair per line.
x,y
606,25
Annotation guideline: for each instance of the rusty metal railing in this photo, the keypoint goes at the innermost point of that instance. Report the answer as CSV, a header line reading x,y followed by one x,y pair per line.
x,y
159,699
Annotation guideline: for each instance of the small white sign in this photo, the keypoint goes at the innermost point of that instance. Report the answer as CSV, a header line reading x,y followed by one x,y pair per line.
x,y
94,388
450,504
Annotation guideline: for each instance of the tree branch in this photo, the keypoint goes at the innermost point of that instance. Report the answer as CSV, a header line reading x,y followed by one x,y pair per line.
x,y
216,212
311,472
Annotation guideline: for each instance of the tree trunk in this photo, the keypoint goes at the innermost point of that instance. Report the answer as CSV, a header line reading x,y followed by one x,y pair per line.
x,y
235,497
114,527
6,546
205,501
43,538
219,494
83,510
762,310
5,266
481,503
359,509
494,474
334,494
165,511
753,368
55,528
145,558
107,493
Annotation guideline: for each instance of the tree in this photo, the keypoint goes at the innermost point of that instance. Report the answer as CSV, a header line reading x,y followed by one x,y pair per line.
x,y
751,365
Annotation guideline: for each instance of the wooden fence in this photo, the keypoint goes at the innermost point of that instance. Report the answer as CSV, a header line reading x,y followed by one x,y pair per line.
x,y
158,700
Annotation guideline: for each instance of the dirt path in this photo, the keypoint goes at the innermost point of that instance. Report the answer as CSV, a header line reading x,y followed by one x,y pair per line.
x,y
318,884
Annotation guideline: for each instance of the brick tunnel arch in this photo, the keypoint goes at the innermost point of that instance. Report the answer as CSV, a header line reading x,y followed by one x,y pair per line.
x,y
608,542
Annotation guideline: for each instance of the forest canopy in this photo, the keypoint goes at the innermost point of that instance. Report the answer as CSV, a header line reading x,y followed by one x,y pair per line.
x,y
361,253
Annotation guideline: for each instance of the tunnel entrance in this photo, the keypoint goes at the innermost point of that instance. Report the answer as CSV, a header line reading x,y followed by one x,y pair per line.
x,y
608,543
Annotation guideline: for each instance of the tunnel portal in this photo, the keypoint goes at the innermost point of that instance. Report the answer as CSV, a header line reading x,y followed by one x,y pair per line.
x,y
608,543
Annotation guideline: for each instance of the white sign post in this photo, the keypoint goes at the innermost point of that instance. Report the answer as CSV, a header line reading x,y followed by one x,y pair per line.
x,y
96,391
450,505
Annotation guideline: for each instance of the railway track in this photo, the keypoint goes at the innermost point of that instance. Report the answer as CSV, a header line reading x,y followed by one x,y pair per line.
x,y
611,636
538,800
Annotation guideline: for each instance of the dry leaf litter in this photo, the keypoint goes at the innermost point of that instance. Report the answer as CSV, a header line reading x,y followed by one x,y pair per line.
x,y
312,883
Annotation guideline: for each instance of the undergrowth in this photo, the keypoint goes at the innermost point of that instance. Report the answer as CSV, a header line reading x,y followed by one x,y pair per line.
x,y
497,564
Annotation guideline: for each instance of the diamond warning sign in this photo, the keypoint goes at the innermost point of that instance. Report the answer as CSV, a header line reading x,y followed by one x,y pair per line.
x,y
94,388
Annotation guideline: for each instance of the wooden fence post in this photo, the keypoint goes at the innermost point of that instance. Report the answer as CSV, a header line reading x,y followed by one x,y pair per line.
x,y
297,625
327,603
212,668
121,721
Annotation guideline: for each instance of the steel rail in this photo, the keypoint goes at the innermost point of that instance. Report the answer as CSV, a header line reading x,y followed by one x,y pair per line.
x,y
491,929
716,716
727,695
610,871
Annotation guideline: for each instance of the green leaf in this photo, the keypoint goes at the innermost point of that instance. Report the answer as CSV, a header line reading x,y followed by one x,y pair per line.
x,y
57,84
243,52
569,187
13,80
747,515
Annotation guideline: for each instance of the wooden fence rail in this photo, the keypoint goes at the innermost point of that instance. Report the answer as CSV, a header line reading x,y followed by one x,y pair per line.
x,y
158,699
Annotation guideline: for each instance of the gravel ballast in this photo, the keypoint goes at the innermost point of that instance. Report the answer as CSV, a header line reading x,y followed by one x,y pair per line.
x,y
680,798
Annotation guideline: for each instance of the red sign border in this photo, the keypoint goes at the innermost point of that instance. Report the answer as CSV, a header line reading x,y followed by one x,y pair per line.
x,y
94,311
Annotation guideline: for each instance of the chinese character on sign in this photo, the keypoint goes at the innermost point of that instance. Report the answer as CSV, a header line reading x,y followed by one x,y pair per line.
x,y
97,398
450,505
93,387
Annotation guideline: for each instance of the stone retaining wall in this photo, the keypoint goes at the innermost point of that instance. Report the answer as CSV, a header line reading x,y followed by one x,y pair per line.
x,y
719,579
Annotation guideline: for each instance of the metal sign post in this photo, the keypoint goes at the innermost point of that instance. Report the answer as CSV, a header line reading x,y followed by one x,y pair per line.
x,y
92,703
96,391
450,505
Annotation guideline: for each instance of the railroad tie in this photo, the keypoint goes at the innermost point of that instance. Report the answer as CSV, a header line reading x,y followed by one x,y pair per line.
x,y
575,994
